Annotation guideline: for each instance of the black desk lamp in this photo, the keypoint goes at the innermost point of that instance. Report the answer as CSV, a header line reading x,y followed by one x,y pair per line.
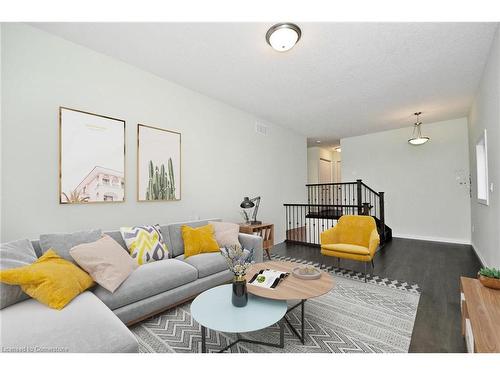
x,y
249,203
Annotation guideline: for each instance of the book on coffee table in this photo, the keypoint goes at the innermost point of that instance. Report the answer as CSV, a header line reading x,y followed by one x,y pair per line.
x,y
267,278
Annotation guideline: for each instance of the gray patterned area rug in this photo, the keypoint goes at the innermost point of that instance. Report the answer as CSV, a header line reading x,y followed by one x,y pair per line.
x,y
355,317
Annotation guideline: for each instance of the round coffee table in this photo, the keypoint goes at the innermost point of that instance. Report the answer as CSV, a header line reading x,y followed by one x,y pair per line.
x,y
291,288
213,309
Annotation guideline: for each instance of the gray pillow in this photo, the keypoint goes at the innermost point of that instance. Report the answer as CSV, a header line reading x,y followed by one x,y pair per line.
x,y
13,255
62,243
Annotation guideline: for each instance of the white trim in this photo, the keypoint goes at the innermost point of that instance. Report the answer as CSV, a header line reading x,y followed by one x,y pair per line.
x,y
435,239
479,255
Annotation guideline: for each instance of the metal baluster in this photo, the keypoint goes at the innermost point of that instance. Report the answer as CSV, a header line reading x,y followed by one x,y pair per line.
x,y
297,219
308,233
349,196
286,223
303,230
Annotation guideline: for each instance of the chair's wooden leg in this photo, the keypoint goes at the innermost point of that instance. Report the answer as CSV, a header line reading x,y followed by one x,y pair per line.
x,y
373,265
365,272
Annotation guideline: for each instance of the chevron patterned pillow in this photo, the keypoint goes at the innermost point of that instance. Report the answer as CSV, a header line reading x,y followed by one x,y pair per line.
x,y
145,243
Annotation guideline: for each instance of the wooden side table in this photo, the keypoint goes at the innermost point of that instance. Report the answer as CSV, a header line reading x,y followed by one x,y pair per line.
x,y
480,316
266,231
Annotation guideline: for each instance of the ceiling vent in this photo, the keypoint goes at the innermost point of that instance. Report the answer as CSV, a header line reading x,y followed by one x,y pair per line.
x,y
260,128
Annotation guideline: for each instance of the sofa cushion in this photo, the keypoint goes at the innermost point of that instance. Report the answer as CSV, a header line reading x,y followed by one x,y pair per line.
x,y
148,280
63,242
199,240
347,248
226,234
105,261
206,264
175,235
85,325
117,236
145,243
140,310
50,279
13,255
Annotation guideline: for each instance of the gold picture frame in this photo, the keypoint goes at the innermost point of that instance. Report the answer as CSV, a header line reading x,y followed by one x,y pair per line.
x,y
87,129
164,161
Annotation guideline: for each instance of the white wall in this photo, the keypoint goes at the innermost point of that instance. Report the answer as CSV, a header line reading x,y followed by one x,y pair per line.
x,y
423,199
223,158
485,114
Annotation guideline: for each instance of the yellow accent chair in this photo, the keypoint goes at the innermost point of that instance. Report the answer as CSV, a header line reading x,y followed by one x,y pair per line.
x,y
354,237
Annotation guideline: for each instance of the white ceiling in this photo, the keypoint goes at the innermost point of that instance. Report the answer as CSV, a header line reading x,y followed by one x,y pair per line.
x,y
340,80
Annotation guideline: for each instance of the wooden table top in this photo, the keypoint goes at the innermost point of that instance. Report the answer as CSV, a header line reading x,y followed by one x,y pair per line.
x,y
292,288
483,306
254,226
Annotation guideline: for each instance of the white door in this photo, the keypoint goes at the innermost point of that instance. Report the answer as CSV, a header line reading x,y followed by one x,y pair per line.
x,y
325,177
337,176
325,171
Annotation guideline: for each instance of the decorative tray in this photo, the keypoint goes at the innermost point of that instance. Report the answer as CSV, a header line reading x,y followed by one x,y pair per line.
x,y
306,272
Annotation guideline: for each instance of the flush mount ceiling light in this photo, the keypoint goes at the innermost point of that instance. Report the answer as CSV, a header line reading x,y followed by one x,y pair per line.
x,y
417,138
283,36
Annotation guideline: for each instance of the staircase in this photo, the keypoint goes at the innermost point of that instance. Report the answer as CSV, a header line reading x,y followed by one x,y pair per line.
x,y
326,203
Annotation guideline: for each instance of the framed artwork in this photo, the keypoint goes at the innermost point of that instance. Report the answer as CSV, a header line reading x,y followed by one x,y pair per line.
x,y
91,158
158,164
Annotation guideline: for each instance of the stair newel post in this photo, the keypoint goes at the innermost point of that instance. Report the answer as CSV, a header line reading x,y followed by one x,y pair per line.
x,y
359,197
382,215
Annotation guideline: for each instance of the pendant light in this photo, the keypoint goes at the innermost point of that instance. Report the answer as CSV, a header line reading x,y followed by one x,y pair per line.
x,y
417,138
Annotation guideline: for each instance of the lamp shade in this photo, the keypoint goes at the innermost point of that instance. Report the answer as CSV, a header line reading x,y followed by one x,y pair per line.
x,y
247,203
417,138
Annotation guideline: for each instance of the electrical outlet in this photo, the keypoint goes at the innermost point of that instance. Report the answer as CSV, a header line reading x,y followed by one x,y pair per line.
x,y
491,187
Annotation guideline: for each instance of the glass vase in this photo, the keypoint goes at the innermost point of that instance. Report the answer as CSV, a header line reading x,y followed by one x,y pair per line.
x,y
240,293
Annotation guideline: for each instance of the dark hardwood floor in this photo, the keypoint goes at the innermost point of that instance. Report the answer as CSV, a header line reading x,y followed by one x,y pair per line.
x,y
436,267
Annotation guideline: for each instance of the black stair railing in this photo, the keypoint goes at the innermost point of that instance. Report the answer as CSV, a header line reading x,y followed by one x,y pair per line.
x,y
326,203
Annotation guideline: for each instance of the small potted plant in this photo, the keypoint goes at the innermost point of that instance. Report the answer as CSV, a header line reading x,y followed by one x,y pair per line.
x,y
489,277
239,261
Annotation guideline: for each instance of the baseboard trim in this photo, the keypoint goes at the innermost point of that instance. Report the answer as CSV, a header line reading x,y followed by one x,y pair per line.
x,y
434,239
481,259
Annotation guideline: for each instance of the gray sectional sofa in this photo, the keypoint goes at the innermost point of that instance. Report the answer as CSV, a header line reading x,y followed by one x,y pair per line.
x,y
96,320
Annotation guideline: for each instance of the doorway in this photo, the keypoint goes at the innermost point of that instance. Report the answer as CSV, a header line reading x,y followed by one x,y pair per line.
x,y
325,171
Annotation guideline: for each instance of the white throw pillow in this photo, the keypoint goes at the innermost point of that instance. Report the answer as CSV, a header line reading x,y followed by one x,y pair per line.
x,y
226,234
105,261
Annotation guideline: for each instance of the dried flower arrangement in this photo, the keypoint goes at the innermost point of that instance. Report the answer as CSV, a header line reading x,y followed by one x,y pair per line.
x,y
238,259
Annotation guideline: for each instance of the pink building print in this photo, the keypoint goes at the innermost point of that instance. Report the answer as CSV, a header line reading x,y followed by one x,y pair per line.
x,y
102,184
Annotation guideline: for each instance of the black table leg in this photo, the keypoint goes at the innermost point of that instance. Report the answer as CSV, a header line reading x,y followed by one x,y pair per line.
x,y
282,333
203,339
302,320
301,335
280,345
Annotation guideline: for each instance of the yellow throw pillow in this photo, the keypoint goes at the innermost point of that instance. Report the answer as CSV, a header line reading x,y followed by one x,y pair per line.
x,y
199,240
50,280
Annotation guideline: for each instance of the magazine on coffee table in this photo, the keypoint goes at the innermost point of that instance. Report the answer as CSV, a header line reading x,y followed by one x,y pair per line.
x,y
268,278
